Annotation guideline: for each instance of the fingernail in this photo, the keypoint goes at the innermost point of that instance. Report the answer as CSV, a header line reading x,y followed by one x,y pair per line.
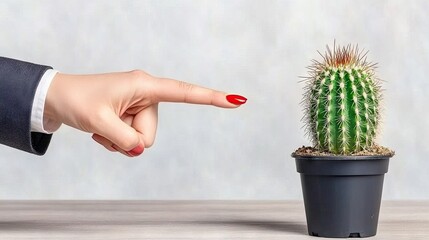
x,y
236,99
137,150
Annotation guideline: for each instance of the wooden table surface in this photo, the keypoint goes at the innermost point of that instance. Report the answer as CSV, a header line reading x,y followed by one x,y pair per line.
x,y
260,220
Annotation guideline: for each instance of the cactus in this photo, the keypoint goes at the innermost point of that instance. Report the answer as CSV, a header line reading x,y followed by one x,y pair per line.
x,y
342,101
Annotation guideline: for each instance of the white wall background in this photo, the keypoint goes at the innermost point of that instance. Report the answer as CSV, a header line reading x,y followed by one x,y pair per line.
x,y
256,48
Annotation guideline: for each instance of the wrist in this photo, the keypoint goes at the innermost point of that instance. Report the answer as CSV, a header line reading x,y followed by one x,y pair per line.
x,y
51,119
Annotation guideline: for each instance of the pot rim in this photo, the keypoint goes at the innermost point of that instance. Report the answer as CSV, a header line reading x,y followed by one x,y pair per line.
x,y
341,157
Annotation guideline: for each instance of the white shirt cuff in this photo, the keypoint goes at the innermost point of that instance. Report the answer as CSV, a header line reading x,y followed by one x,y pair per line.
x,y
38,122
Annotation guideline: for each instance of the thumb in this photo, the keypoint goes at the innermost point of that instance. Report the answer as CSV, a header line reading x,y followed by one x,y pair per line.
x,y
120,134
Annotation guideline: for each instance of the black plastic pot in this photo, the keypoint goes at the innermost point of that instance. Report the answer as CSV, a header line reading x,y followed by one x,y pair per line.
x,y
342,194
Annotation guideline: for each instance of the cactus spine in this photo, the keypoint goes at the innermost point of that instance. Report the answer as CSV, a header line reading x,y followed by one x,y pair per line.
x,y
342,101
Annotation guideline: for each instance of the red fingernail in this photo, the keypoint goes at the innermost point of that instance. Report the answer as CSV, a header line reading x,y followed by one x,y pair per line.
x,y
236,99
137,150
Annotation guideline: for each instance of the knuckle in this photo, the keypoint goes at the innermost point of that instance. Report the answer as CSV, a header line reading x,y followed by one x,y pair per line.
x,y
128,142
138,74
212,97
136,77
187,88
149,143
139,77
128,146
184,85
143,82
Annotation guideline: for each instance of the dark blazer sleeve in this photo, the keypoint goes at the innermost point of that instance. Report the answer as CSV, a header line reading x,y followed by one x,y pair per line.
x,y
18,84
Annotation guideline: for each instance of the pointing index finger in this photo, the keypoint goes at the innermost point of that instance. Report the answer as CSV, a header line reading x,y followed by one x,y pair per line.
x,y
170,90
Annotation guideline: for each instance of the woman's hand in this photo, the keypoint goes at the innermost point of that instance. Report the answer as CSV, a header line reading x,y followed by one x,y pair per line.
x,y
121,109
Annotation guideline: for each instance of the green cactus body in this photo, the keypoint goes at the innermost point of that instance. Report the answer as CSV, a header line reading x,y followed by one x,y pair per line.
x,y
342,102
